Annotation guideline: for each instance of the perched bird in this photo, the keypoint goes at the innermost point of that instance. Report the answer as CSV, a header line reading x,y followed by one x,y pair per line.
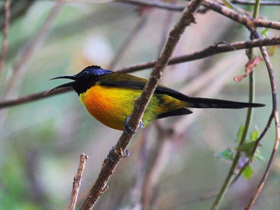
x,y
110,97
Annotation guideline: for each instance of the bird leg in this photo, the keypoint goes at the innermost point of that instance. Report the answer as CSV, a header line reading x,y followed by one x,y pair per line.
x,y
112,154
128,127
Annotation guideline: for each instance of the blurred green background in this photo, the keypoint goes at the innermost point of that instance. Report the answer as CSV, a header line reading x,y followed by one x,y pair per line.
x,y
40,142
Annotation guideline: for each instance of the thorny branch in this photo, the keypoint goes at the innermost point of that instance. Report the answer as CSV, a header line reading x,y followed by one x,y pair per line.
x,y
77,182
209,51
141,103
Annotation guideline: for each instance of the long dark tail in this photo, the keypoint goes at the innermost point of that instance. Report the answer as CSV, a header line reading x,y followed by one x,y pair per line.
x,y
220,104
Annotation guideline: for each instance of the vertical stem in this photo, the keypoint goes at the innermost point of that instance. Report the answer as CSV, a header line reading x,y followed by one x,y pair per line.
x,y
249,116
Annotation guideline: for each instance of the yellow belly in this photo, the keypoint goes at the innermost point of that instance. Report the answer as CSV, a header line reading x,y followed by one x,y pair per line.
x,y
111,105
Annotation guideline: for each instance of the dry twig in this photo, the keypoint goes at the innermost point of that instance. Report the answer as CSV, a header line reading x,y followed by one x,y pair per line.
x,y
77,182
141,103
263,3
243,19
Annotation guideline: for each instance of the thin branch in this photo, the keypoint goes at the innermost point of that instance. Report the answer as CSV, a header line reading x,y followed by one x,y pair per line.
x,y
245,20
141,103
263,3
155,4
242,19
230,176
209,51
32,97
276,120
5,33
77,182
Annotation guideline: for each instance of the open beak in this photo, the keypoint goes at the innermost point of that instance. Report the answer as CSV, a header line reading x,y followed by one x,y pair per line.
x,y
66,85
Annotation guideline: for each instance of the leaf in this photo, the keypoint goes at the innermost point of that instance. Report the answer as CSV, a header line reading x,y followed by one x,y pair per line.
x,y
264,32
226,154
254,135
247,148
249,67
240,132
247,173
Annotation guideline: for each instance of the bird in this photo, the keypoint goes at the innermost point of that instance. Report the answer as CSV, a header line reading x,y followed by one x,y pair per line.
x,y
110,96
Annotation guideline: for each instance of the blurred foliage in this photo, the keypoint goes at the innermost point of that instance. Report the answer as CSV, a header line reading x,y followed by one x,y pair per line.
x,y
41,141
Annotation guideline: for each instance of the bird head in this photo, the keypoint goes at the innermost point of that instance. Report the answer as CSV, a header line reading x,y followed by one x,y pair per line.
x,y
83,80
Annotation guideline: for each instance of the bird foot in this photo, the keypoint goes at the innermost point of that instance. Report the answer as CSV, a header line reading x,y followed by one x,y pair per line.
x,y
128,128
113,154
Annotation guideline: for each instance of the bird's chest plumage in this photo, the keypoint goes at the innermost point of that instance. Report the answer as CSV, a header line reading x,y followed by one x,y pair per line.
x,y
110,105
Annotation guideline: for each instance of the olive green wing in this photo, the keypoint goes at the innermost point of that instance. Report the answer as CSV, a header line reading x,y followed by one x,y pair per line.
x,y
129,81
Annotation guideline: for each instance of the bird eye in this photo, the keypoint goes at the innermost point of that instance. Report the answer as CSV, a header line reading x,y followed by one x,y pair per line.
x,y
86,73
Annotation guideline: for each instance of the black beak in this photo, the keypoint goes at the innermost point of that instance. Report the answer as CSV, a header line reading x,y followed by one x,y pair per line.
x,y
66,85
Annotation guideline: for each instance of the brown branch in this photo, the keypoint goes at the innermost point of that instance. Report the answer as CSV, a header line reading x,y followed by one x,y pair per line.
x,y
77,182
32,97
209,51
242,19
263,3
155,4
141,103
5,33
276,120
245,20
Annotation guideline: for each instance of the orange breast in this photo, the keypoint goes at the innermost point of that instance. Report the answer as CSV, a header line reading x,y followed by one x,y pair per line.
x,y
110,105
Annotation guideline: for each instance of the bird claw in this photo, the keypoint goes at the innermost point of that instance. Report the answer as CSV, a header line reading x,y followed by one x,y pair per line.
x,y
128,128
112,154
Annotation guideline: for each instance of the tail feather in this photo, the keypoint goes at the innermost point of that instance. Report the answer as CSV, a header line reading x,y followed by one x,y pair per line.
x,y
221,104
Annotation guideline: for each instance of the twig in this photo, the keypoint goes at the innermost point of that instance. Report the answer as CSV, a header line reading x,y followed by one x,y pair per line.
x,y
32,97
209,51
218,8
276,120
141,103
263,3
156,4
77,182
20,67
249,23
5,33
230,176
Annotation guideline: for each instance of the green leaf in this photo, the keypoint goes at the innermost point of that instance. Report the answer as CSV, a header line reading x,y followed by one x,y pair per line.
x,y
265,32
258,155
226,154
247,148
240,132
247,173
254,135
